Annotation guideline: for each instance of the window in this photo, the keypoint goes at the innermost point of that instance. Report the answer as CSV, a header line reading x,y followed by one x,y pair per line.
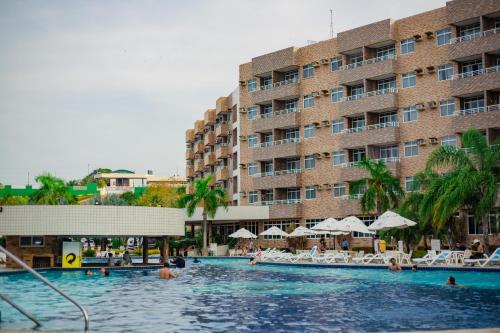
x,y
283,225
252,169
411,148
472,67
311,223
267,197
267,82
389,152
339,189
268,138
291,104
409,114
31,241
293,164
358,155
311,192
252,85
292,133
253,197
469,30
410,184
252,227
308,101
337,126
355,59
252,141
291,76
358,124
338,157
252,112
293,194
473,103
443,36
409,80
445,72
309,162
307,71
367,220
449,140
447,108
309,131
387,84
337,94
268,168
357,91
335,64
477,228
387,118
407,46
386,51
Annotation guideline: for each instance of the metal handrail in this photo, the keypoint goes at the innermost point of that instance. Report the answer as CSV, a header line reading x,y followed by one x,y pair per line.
x,y
370,94
369,61
481,71
48,283
20,309
479,34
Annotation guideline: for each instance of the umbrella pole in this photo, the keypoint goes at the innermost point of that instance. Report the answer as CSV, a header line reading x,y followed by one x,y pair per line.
x,y
334,242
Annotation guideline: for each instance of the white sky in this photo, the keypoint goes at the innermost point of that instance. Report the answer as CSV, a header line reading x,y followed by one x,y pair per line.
x,y
116,83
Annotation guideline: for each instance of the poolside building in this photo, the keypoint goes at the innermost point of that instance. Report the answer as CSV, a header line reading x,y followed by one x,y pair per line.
x,y
290,136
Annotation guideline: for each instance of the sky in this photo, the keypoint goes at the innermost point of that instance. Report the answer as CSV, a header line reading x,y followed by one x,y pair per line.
x,y
89,84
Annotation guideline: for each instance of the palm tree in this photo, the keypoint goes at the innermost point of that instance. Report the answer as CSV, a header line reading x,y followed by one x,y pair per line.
x,y
53,191
470,181
210,198
383,190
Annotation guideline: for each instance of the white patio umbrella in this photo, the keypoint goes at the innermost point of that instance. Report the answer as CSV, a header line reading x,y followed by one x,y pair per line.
x,y
391,220
274,231
301,231
242,233
330,226
352,223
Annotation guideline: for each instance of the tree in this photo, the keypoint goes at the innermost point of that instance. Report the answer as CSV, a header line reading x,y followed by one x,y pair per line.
x,y
209,198
53,191
383,190
470,181
160,196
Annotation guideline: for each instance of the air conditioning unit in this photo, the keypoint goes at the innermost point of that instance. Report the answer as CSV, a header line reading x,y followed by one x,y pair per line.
x,y
243,83
432,104
429,34
421,142
243,110
315,94
327,186
319,188
431,69
324,61
316,124
325,123
434,141
317,156
419,71
417,37
420,106
326,154
243,166
315,64
243,194
243,138
325,92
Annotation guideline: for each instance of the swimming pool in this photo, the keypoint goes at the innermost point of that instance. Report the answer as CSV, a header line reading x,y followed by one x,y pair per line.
x,y
228,295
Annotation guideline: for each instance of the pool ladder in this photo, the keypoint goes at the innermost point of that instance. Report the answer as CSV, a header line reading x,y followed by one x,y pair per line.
x,y
46,282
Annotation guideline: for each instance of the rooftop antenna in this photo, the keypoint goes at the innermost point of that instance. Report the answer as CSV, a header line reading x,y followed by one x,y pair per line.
x,y
331,23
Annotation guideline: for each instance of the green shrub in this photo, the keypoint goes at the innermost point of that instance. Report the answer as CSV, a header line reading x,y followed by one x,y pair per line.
x,y
418,253
138,252
88,253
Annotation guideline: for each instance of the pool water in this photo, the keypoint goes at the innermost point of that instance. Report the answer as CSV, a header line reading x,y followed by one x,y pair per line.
x,y
227,295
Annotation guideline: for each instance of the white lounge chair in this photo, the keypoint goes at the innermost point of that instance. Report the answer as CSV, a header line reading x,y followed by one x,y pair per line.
x,y
310,255
442,258
494,258
371,258
339,257
431,254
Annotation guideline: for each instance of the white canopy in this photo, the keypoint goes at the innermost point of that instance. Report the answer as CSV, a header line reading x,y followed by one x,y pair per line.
x,y
391,220
274,231
352,223
301,231
330,226
242,233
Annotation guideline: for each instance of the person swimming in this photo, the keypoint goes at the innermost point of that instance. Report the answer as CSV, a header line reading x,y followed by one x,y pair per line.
x,y
196,260
166,273
88,272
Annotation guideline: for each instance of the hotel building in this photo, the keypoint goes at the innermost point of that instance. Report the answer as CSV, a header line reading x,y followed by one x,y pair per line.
x,y
291,135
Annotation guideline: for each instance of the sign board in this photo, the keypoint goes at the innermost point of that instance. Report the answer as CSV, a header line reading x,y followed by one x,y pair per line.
x,y
436,245
72,255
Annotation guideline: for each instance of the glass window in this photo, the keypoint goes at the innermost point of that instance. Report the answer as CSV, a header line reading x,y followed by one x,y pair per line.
x,y
386,51
473,103
291,76
409,114
252,112
477,228
409,79
335,64
357,91
447,108
449,140
445,72
252,141
387,84
292,133
357,123
310,192
293,164
358,155
367,220
293,194
407,46
337,126
411,148
266,110
410,184
25,241
309,162
339,189
267,82
268,137
253,197
337,94
307,71
469,30
388,152
355,58
252,169
308,101
268,168
443,36
252,227
291,104
311,223
267,197
252,85
31,241
283,225
472,67
387,118
309,131
338,157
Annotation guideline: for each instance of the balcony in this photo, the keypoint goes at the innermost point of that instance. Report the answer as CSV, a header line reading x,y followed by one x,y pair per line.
x,y
198,147
221,129
209,118
198,165
378,100
221,174
349,171
189,154
480,118
190,135
481,42
276,149
209,159
369,135
209,139
279,90
198,127
277,119
370,68
189,171
277,179
475,81
282,208
222,151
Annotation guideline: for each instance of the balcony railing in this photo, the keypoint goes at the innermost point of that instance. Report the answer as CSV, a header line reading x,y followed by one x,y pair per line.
x,y
277,173
276,202
276,143
468,112
480,34
356,196
368,61
476,72
370,94
369,127
277,113
385,160
278,84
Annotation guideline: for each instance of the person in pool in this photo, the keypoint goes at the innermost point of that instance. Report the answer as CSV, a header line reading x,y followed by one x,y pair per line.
x,y
451,281
88,272
394,266
179,262
166,273
104,271
252,261
196,260
414,268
